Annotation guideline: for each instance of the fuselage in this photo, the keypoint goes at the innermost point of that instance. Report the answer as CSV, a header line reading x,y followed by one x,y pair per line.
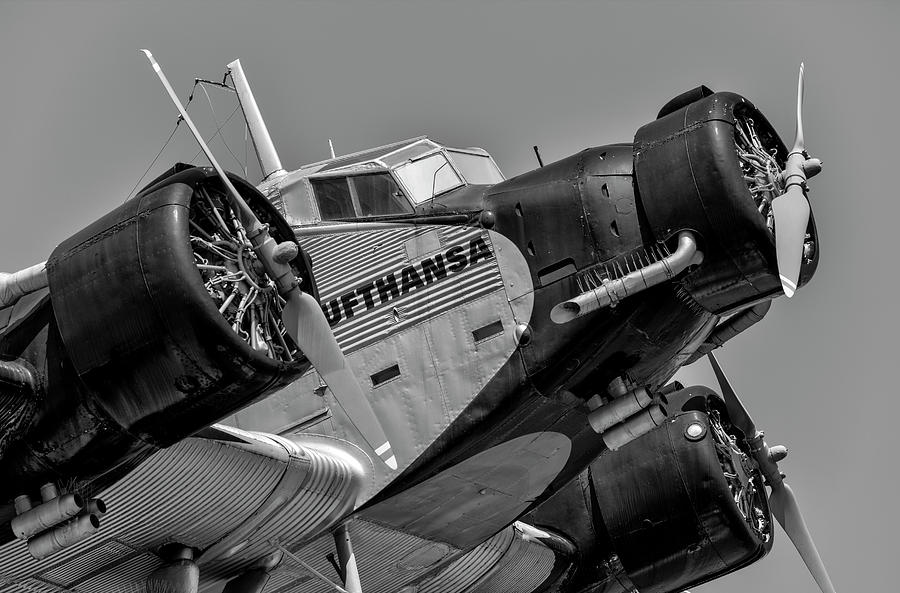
x,y
484,395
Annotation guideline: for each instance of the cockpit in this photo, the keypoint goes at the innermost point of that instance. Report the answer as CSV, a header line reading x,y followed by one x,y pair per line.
x,y
385,181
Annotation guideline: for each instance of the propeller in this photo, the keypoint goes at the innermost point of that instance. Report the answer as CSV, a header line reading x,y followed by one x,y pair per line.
x,y
791,209
782,501
302,316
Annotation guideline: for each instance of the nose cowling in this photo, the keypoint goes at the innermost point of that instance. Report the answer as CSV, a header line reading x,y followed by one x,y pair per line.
x,y
709,166
702,166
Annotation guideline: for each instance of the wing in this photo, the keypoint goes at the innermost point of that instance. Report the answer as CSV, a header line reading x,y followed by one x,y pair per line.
x,y
225,493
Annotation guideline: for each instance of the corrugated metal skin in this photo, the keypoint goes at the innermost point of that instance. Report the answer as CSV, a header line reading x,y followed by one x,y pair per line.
x,y
506,562
196,493
466,571
32,586
126,577
76,569
525,567
325,495
379,555
284,581
344,262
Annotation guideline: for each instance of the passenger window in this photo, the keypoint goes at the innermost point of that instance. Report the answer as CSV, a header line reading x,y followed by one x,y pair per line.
x,y
334,198
379,195
359,196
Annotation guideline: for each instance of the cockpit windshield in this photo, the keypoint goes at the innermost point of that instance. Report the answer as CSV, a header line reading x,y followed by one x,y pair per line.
x,y
428,176
478,169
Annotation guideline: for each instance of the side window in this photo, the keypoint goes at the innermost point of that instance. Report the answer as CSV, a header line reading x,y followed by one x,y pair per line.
x,y
334,198
379,195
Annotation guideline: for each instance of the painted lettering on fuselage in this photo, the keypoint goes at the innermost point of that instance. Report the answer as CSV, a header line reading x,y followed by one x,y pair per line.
x,y
393,285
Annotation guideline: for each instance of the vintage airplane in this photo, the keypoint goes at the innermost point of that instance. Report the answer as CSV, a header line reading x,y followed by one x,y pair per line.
x,y
450,382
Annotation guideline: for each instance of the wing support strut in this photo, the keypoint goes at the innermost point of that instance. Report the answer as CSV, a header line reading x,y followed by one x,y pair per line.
x,y
346,560
276,544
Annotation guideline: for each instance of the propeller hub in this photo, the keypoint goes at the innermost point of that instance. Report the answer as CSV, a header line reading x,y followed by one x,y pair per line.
x,y
777,453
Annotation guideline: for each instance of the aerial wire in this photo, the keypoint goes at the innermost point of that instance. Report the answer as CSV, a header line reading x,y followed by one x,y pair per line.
x,y
217,132
202,82
153,162
216,121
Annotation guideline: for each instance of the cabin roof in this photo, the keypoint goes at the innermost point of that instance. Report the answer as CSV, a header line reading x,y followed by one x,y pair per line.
x,y
363,157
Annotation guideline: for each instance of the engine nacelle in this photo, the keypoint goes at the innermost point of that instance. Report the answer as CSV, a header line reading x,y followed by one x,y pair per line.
x,y
668,500
141,350
710,163
680,506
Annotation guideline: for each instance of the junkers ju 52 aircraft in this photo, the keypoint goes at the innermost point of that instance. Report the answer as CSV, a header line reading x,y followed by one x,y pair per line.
x,y
398,371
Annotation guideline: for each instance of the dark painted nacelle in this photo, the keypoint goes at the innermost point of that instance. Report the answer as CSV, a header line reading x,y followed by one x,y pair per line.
x,y
605,211
659,515
689,177
131,352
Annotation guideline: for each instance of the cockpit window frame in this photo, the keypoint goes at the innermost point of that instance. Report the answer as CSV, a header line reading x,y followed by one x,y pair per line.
x,y
390,159
410,194
479,152
347,175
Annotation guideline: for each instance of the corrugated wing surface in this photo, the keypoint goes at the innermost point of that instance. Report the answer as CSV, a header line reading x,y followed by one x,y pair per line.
x,y
380,555
472,567
525,567
197,492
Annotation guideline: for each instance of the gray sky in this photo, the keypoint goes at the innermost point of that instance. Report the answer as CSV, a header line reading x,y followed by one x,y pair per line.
x,y
82,116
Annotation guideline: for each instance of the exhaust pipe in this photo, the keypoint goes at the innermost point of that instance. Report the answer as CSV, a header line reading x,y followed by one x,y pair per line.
x,y
52,541
636,426
613,291
46,515
95,506
619,409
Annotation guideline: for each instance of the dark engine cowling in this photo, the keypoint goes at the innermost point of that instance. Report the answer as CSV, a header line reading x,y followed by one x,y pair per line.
x,y
660,514
668,501
696,168
136,354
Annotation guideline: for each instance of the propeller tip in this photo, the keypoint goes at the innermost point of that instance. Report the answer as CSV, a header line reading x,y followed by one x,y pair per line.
x,y
788,286
391,462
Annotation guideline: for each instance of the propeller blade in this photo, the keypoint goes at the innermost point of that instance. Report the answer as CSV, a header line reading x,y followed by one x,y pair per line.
x,y
738,414
782,501
791,210
308,327
302,316
786,510
799,145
